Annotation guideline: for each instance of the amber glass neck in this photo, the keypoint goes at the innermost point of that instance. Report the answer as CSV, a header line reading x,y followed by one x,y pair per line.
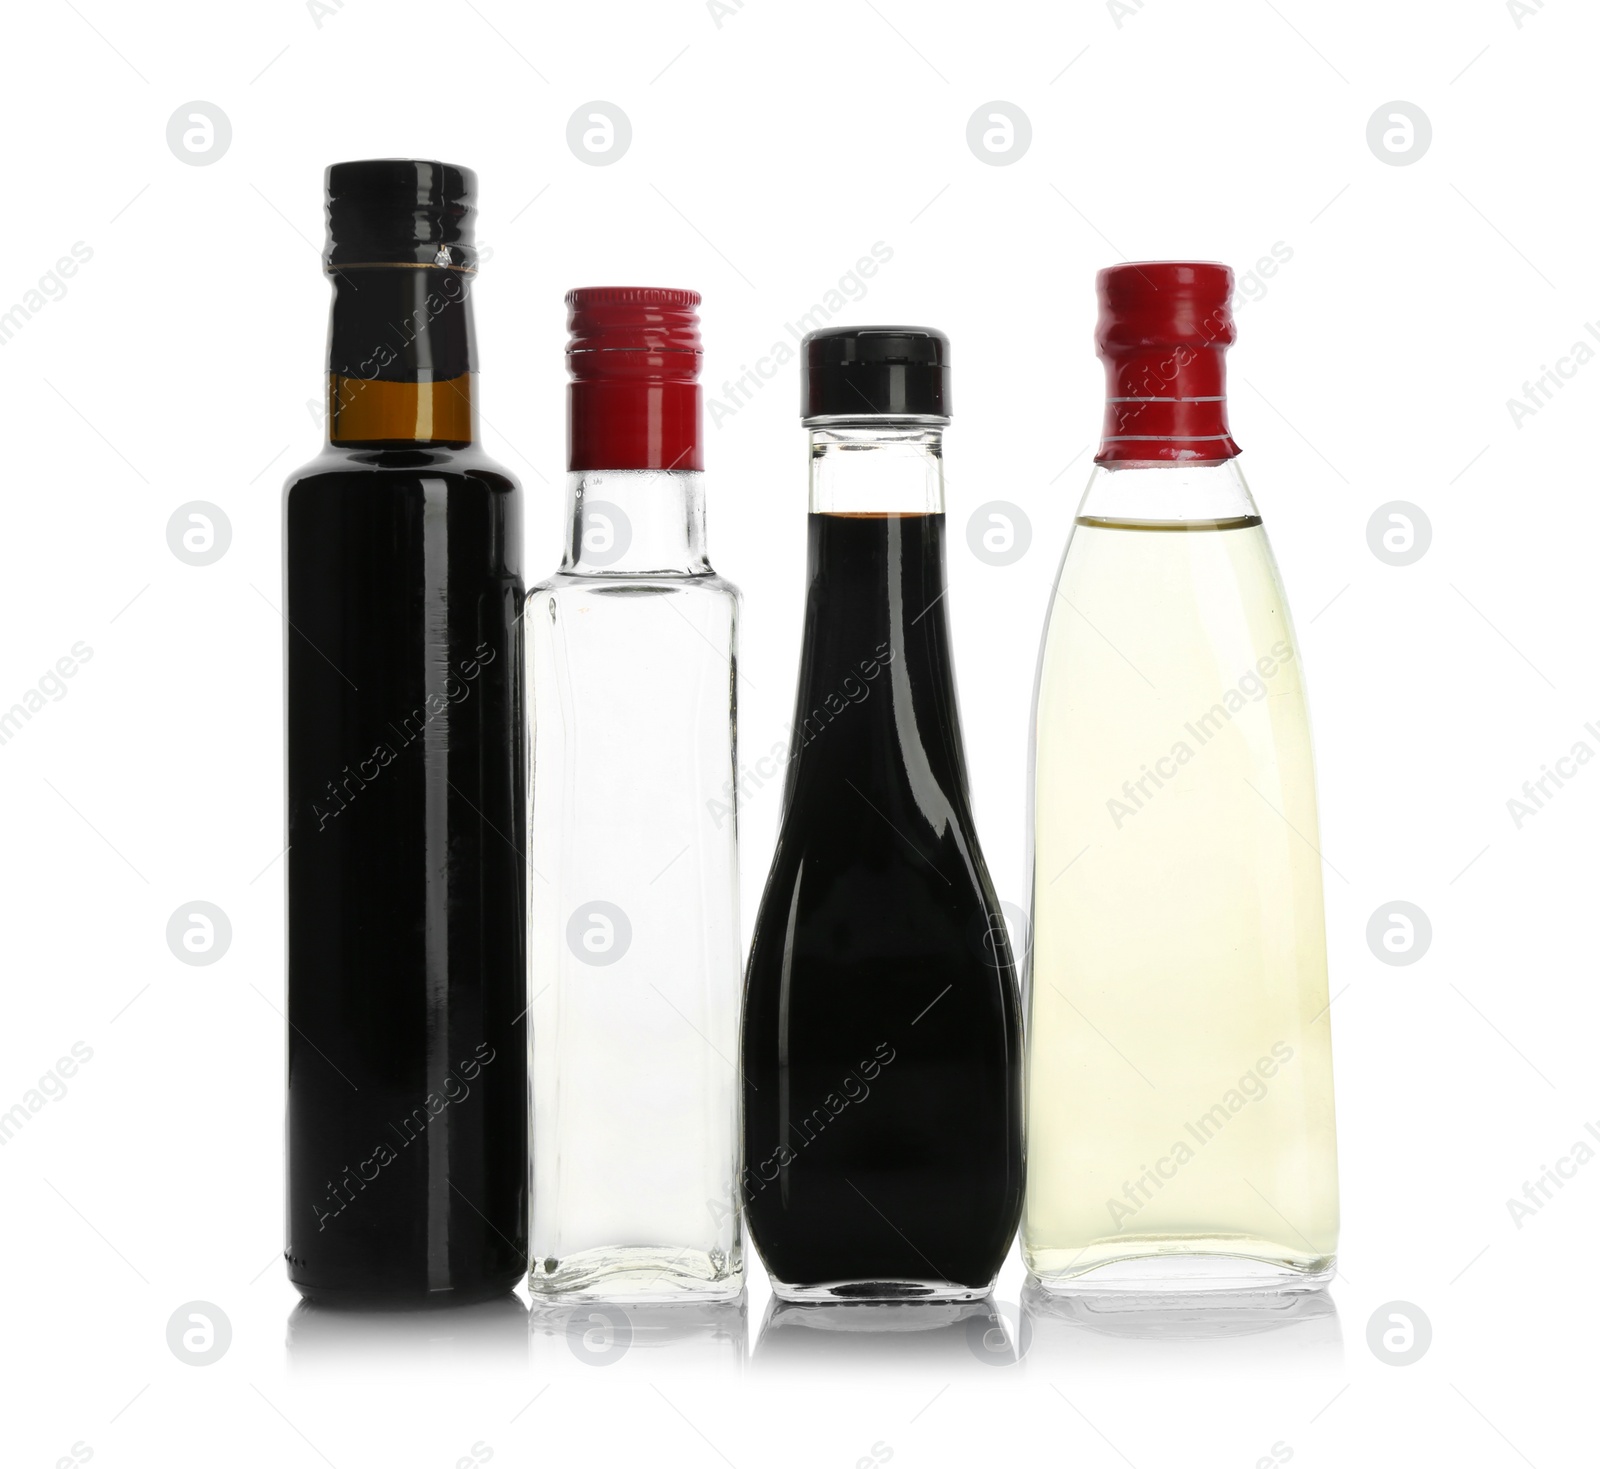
x,y
369,410
402,366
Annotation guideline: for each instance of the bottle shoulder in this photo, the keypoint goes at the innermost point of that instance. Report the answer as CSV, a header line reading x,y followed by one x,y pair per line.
x,y
581,586
342,468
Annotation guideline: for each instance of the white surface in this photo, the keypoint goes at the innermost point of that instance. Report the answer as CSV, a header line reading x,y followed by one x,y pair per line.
x,y
768,155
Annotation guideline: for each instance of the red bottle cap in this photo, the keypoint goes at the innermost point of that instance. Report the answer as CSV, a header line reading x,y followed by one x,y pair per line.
x,y
1163,328
634,356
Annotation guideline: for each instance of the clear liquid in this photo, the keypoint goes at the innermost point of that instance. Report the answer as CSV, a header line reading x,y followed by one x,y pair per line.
x,y
634,954
1180,1105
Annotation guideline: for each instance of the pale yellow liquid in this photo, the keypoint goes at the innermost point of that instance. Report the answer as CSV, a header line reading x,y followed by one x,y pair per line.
x,y
1180,1088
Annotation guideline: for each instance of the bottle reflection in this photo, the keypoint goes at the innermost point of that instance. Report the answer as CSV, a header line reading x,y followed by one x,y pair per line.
x,y
652,1340
947,1336
1213,1329
491,1333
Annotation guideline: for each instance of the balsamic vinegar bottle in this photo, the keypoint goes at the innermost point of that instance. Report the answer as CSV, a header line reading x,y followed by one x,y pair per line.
x,y
407,1116
881,1044
1180,1073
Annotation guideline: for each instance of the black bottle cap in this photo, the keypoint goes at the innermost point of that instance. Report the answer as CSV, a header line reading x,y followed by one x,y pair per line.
x,y
401,211
876,372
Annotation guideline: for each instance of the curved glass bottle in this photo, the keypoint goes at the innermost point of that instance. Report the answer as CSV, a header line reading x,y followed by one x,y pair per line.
x,y
1180,1106
881,1044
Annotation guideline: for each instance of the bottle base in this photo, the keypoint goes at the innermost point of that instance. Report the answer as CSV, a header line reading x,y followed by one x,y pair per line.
x,y
845,1292
1173,1268
638,1275
404,1298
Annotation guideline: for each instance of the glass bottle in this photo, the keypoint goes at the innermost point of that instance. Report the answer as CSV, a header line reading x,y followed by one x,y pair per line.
x,y
633,885
407,1076
1180,1101
881,1044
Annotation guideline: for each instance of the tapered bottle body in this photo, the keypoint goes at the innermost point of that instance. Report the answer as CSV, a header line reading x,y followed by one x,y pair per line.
x,y
633,883
407,1133
1180,1109
881,1040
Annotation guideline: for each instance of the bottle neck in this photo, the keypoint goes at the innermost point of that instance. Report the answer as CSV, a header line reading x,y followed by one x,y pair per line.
x,y
1183,493
635,522
402,357
877,467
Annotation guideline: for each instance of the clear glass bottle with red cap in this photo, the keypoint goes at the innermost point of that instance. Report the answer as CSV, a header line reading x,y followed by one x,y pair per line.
x,y
1180,1088
634,952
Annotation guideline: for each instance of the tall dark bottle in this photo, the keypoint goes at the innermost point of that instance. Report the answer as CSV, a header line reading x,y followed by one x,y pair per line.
x,y
882,1042
407,1126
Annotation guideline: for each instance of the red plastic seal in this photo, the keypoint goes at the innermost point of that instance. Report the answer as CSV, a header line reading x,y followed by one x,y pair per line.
x,y
1163,328
634,399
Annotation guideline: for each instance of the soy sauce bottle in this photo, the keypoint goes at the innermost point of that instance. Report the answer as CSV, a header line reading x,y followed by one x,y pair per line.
x,y
881,1040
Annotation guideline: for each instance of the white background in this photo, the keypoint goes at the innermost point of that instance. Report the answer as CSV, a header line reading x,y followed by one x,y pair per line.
x,y
768,154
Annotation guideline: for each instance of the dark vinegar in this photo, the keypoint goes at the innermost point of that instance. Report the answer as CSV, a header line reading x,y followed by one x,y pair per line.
x,y
881,1043
407,1048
